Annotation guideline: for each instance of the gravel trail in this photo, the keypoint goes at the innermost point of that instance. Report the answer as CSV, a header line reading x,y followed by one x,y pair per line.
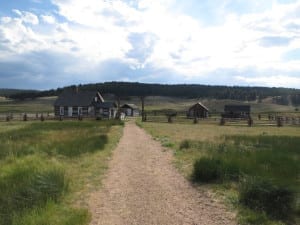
x,y
142,187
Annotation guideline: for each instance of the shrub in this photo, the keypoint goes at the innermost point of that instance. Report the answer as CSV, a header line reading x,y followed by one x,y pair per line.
x,y
262,195
231,170
207,169
185,144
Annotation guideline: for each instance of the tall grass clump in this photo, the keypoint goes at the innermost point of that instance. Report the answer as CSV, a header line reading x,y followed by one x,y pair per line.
x,y
29,183
242,158
207,169
214,169
261,195
53,214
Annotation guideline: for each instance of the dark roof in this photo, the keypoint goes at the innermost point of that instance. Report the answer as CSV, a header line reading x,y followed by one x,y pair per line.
x,y
132,106
199,104
237,108
106,105
80,98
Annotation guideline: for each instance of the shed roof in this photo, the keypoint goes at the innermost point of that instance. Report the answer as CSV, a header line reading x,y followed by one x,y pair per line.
x,y
106,105
132,106
73,98
199,104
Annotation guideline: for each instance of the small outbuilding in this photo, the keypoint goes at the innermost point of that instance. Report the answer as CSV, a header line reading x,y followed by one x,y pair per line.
x,y
106,109
237,111
198,111
130,109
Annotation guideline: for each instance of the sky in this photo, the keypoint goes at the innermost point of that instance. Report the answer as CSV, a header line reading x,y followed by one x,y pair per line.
x,y
54,43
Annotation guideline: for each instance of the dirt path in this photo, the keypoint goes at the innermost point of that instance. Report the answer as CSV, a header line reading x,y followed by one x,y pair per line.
x,y
142,187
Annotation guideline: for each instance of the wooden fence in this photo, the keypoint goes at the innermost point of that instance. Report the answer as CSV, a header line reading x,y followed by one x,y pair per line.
x,y
256,119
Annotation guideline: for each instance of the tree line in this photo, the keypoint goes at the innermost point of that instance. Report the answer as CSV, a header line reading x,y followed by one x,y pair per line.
x,y
126,89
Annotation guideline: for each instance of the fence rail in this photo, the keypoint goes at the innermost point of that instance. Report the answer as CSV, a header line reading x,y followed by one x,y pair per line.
x,y
256,119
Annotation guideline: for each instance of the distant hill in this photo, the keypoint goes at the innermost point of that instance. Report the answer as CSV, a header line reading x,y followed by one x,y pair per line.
x,y
6,92
283,96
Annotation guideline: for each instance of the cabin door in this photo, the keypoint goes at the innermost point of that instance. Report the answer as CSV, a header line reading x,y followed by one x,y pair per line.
x,y
70,111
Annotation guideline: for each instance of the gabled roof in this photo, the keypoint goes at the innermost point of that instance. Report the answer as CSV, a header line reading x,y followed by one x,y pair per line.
x,y
79,98
237,108
132,106
199,104
106,105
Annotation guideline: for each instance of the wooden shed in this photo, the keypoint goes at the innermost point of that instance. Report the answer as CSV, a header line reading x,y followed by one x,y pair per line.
x,y
130,109
236,111
198,111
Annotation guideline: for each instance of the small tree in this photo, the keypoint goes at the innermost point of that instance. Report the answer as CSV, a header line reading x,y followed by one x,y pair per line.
x,y
170,116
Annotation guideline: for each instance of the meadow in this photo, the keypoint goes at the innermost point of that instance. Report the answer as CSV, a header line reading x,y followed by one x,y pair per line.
x,y
38,105
48,169
237,160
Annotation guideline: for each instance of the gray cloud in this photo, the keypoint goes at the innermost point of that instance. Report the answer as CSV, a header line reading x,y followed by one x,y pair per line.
x,y
142,46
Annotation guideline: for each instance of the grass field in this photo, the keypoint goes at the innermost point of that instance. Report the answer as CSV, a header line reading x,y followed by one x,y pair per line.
x,y
48,169
38,105
52,166
239,153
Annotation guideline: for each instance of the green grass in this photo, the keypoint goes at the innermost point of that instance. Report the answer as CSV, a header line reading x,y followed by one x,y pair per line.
x,y
46,169
226,155
44,104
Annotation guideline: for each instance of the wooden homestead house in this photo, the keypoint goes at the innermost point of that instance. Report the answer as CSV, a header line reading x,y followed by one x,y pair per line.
x,y
198,111
236,111
83,103
130,110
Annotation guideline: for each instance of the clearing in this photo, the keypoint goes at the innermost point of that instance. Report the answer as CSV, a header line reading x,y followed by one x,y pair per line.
x,y
143,187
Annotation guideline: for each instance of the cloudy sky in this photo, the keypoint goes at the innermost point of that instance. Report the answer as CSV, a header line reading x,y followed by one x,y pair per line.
x,y
52,43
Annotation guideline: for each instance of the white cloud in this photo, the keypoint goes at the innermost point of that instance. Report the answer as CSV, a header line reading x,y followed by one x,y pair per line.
x,y
48,19
272,81
96,31
27,17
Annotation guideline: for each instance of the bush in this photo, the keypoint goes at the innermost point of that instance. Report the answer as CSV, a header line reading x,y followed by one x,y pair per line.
x,y
185,144
207,169
262,195
212,169
231,170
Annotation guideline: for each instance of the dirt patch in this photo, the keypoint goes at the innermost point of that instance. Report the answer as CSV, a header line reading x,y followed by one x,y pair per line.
x,y
142,187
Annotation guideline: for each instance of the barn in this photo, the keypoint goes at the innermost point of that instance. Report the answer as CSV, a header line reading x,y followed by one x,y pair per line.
x,y
74,103
198,110
130,109
236,111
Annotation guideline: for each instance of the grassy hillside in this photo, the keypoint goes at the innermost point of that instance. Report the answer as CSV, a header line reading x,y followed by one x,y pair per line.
x,y
8,92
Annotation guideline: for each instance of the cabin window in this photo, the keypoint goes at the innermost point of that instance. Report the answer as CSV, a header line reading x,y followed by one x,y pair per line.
x,y
61,111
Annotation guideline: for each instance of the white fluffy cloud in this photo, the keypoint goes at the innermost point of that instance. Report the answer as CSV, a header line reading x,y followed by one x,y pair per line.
x,y
157,34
